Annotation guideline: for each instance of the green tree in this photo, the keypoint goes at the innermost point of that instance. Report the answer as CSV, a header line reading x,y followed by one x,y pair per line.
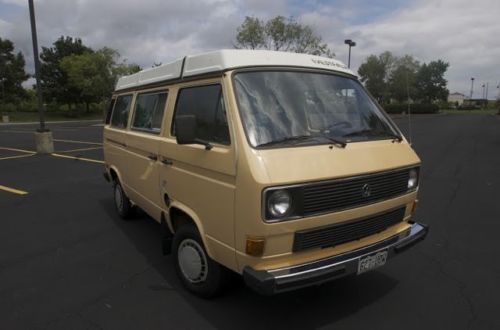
x,y
54,80
430,83
12,73
94,74
375,73
282,34
402,78
251,34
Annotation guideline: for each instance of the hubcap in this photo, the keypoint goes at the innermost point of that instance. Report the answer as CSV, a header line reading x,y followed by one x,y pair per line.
x,y
118,197
192,261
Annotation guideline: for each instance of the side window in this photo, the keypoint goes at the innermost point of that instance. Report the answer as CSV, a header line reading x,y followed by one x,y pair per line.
x,y
110,110
120,113
149,108
207,104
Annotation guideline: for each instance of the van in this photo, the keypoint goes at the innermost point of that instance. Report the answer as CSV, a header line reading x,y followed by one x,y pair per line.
x,y
276,166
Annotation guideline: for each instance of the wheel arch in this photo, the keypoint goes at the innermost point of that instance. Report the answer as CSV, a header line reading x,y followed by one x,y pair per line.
x,y
179,214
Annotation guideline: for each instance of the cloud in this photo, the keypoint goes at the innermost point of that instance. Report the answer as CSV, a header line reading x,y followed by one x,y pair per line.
x,y
461,32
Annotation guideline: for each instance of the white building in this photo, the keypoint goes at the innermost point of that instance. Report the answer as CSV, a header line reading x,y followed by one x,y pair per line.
x,y
456,98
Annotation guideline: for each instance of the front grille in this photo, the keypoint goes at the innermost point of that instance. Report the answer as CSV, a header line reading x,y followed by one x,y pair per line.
x,y
352,192
347,231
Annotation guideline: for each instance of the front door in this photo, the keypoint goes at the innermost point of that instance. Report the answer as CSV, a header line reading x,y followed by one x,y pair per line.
x,y
202,180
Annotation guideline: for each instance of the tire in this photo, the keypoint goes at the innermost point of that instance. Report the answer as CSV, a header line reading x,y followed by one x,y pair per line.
x,y
197,271
122,202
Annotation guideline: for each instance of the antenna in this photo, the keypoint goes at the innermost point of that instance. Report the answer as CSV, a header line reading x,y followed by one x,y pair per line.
x,y
409,111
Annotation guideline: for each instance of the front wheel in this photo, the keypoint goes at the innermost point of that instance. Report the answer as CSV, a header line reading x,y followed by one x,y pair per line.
x,y
197,271
122,202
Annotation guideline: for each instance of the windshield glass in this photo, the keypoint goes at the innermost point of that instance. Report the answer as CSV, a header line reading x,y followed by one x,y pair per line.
x,y
287,107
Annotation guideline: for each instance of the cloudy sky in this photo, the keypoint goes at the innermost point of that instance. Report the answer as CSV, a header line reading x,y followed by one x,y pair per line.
x,y
465,33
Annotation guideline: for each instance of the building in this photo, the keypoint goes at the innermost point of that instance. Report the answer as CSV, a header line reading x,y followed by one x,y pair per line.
x,y
456,98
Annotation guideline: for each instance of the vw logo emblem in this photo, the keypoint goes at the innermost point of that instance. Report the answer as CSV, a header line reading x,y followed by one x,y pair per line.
x,y
366,191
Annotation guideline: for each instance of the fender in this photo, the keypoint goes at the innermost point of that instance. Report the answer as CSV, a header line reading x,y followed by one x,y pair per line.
x,y
184,208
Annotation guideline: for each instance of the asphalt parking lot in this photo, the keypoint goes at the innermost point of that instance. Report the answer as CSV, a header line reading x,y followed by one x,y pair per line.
x,y
68,262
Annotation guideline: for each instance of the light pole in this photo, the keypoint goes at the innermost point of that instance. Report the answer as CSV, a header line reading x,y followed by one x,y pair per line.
x,y
43,136
471,87
2,80
351,44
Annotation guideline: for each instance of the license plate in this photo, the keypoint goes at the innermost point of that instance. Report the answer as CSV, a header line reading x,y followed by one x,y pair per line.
x,y
372,261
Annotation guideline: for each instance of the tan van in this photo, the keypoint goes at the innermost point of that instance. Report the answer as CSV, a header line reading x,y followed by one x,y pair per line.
x,y
276,166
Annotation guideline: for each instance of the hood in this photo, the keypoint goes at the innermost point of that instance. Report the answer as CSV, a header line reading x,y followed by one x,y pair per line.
x,y
314,163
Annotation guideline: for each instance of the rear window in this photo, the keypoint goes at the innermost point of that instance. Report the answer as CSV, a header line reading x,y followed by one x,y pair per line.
x,y
148,115
206,103
119,118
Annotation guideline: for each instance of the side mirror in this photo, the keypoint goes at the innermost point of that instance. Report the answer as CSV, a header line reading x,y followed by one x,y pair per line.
x,y
185,131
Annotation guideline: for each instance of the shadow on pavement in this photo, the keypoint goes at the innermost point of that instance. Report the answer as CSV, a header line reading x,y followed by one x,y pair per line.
x,y
240,307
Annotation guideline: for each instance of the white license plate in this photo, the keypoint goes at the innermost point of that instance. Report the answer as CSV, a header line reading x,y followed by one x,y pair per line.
x,y
372,261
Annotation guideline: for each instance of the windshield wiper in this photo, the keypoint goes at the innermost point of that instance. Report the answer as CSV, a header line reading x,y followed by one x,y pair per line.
x,y
300,138
335,141
374,133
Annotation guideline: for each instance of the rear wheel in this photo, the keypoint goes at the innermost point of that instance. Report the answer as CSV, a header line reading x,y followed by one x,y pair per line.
x,y
122,202
197,271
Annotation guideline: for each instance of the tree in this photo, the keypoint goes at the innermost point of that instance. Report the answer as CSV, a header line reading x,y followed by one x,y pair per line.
x,y
402,78
54,80
12,73
282,34
375,73
94,74
430,82
251,34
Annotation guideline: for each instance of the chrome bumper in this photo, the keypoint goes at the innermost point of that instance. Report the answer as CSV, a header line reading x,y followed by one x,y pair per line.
x,y
285,279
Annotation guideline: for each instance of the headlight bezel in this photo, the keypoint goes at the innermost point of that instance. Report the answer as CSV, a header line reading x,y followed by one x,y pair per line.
x,y
292,211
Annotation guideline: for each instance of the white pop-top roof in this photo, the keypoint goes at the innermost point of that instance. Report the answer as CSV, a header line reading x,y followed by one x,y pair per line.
x,y
227,59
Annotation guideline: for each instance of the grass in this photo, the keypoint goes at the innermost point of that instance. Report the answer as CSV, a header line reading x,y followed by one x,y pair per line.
x,y
469,112
20,117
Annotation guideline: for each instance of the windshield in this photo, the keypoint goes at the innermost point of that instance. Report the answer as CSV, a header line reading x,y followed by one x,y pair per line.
x,y
287,107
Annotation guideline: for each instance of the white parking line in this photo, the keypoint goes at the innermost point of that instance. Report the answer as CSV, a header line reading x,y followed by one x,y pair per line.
x,y
81,149
80,142
14,157
79,158
18,150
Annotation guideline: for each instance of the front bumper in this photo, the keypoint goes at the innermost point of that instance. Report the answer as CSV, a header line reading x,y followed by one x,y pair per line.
x,y
285,279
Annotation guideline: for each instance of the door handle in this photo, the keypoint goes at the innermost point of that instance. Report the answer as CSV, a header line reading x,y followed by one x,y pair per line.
x,y
167,161
153,157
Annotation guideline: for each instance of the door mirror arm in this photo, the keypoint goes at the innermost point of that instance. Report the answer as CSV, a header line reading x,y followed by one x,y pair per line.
x,y
207,144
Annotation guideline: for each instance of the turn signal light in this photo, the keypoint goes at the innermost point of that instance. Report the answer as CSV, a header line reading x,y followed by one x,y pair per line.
x,y
255,246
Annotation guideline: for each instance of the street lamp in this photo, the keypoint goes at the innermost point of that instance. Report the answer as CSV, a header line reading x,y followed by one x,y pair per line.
x,y
43,136
2,80
471,87
351,44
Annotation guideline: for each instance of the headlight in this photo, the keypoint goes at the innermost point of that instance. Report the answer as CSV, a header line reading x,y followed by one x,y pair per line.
x,y
413,179
279,203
